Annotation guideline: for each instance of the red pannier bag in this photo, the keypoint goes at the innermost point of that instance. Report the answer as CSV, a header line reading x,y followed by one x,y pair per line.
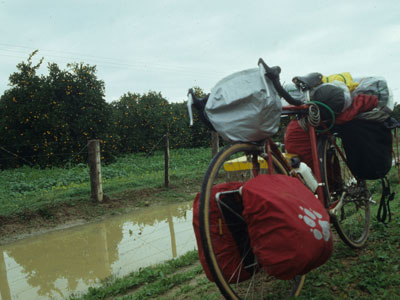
x,y
297,141
225,239
288,226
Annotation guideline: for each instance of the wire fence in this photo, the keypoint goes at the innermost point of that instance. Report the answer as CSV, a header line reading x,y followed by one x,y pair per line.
x,y
23,188
8,153
128,171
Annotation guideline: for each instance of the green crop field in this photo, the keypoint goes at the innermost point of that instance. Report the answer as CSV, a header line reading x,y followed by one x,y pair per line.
x,y
32,188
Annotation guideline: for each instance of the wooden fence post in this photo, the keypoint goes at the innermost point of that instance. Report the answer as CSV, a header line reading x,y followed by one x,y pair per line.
x,y
95,170
166,161
214,143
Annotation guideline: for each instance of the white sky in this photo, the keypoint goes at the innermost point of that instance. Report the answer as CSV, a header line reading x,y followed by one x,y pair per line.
x,y
168,46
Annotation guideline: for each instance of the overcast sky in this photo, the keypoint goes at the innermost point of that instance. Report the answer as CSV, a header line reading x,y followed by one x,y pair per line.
x,y
168,46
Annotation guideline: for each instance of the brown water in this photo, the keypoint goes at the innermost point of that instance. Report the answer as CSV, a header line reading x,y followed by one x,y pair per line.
x,y
54,265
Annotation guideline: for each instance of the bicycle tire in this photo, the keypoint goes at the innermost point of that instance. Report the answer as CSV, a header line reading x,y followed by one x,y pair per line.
x,y
216,173
350,216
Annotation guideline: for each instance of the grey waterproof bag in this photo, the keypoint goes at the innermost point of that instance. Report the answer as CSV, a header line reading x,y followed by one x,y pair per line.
x,y
377,86
244,107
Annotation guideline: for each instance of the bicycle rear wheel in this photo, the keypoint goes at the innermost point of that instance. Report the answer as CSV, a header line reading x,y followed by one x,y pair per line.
x,y
346,197
240,162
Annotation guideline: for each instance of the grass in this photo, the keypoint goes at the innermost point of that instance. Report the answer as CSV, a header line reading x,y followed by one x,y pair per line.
x,y
32,189
370,273
147,282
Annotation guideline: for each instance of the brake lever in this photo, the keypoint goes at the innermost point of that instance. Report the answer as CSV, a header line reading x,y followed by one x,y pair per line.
x,y
189,106
262,73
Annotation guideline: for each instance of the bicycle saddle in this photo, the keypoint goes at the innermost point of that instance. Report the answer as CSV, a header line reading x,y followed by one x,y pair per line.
x,y
308,82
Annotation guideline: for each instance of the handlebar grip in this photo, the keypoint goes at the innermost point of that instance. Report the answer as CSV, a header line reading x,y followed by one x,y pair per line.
x,y
273,75
199,104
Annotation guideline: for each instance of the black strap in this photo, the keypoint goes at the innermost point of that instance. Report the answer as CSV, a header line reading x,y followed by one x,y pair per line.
x,y
384,205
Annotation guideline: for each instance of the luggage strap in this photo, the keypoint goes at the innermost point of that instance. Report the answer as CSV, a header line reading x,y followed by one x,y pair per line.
x,y
384,211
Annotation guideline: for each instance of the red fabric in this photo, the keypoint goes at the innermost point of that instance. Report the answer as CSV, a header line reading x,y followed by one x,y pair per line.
x,y
289,228
225,248
361,103
297,141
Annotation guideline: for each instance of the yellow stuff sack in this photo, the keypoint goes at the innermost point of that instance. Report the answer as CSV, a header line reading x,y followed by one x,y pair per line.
x,y
343,77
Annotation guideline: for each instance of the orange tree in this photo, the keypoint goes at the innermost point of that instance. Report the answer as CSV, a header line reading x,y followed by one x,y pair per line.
x,y
396,112
141,121
181,134
47,120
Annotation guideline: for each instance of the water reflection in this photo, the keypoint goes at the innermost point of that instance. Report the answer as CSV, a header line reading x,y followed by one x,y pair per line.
x,y
57,264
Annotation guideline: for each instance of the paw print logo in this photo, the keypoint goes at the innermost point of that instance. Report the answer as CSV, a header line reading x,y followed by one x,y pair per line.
x,y
312,219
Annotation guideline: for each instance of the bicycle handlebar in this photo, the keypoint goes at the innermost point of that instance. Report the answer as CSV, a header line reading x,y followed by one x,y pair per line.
x,y
273,75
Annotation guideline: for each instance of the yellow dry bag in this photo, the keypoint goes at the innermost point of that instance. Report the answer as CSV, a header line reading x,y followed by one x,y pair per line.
x,y
343,77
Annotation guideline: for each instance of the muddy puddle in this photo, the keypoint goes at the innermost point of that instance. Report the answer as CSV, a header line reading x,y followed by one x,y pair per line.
x,y
57,264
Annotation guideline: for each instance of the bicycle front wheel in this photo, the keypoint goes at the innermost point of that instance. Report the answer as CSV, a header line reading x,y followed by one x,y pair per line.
x,y
346,197
239,163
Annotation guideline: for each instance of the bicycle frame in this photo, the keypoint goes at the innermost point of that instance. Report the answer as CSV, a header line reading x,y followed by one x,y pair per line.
x,y
271,147
343,196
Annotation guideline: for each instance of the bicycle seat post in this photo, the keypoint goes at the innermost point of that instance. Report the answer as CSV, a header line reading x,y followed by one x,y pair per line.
x,y
308,98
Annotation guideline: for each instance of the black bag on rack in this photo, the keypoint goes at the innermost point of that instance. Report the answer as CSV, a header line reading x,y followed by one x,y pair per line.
x,y
368,147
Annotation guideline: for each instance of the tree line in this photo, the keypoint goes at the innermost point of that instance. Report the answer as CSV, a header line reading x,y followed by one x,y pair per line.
x,y
47,120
